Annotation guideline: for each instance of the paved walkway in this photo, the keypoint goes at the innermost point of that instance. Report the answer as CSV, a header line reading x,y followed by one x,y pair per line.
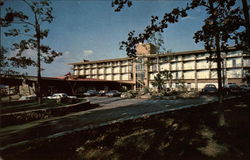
x,y
109,110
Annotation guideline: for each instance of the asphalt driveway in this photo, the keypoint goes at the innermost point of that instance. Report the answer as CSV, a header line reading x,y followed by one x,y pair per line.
x,y
108,110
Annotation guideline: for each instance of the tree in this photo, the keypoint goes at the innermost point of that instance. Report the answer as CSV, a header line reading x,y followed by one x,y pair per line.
x,y
155,26
5,66
31,27
221,27
120,4
73,83
158,82
161,78
157,40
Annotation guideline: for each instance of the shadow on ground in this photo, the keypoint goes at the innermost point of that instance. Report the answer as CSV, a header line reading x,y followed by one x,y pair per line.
x,y
192,133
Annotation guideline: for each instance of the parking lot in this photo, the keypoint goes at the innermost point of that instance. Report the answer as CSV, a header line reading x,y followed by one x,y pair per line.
x,y
108,110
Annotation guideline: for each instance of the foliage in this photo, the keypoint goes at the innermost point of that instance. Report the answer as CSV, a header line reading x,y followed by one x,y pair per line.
x,y
120,4
224,20
21,24
5,66
155,26
161,78
30,29
157,40
181,87
221,27
247,77
226,7
146,90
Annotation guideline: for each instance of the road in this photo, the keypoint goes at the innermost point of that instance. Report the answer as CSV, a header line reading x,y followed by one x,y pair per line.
x,y
107,110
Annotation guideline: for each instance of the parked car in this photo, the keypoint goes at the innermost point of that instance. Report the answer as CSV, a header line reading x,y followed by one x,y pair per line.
x,y
60,95
209,89
245,87
232,88
101,93
127,95
31,97
90,93
113,93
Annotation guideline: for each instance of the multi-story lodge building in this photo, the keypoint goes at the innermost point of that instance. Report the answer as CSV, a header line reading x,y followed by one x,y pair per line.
x,y
189,67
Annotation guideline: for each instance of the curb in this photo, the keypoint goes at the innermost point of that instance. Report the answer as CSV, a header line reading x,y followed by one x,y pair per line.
x,y
78,131
59,135
44,113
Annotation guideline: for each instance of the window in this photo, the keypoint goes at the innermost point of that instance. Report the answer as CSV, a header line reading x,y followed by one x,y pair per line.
x,y
139,67
234,63
140,75
154,67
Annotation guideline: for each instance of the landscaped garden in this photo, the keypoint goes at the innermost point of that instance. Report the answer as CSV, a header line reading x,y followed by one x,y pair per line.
x,y
34,105
19,112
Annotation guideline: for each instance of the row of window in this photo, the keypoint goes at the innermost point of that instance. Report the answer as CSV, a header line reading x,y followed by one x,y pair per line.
x,y
106,70
106,64
112,77
193,57
188,85
235,62
232,73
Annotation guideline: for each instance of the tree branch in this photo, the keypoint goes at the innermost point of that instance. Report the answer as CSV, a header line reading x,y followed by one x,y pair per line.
x,y
21,22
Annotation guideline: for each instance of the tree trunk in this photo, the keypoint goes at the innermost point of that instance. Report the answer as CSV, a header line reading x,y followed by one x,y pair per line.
x,y
217,51
38,39
246,15
218,60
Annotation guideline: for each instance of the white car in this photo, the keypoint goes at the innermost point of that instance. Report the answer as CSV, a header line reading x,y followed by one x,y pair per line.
x,y
31,97
90,93
60,95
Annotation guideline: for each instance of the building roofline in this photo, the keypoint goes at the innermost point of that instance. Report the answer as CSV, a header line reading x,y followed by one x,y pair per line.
x,y
59,78
152,55
101,61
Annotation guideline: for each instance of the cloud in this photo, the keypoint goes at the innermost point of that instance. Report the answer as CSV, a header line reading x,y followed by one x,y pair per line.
x,y
197,9
87,52
67,57
27,53
188,17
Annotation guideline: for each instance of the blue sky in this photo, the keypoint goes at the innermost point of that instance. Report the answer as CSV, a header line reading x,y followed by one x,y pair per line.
x,y
90,29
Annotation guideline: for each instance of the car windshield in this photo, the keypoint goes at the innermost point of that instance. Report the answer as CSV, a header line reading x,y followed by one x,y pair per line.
x,y
210,86
234,85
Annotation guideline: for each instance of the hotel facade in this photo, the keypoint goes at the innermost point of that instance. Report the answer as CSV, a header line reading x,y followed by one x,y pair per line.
x,y
189,67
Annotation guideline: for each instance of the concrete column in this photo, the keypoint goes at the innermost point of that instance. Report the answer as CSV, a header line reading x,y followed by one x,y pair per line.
x,y
120,70
146,70
210,72
195,73
182,66
104,71
225,73
112,71
242,66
